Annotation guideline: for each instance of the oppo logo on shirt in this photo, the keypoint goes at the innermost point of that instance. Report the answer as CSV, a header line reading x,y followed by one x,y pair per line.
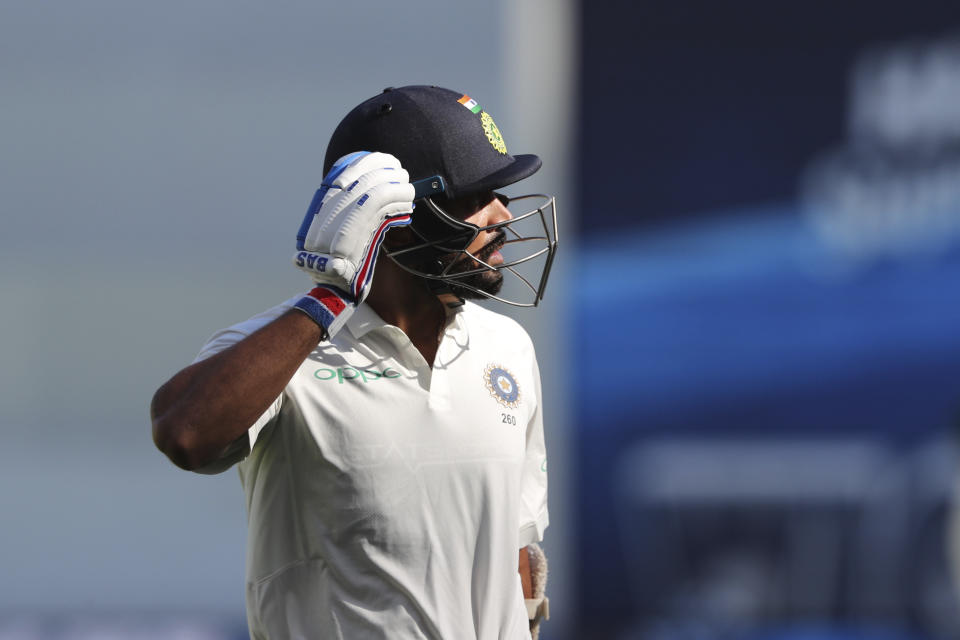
x,y
349,373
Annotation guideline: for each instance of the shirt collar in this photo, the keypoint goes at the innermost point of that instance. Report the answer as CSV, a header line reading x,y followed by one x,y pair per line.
x,y
457,324
365,319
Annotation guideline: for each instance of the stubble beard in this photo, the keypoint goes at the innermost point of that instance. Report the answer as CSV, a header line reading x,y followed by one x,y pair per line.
x,y
488,281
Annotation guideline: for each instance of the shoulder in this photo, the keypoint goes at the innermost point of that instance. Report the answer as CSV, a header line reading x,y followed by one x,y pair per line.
x,y
235,333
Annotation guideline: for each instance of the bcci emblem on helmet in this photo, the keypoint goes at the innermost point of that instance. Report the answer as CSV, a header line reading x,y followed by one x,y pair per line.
x,y
502,385
492,132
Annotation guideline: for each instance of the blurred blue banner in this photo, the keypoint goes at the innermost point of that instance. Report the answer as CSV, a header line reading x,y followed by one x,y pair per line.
x,y
740,384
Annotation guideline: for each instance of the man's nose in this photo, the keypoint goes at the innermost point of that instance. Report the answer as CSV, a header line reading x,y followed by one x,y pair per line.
x,y
500,212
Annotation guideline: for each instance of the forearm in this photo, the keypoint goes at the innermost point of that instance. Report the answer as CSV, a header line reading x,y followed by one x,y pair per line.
x,y
533,578
524,569
211,403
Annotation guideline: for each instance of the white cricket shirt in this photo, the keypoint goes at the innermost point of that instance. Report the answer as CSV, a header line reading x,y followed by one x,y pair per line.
x,y
387,499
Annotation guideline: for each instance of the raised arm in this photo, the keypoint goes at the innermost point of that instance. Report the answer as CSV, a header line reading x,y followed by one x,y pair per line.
x,y
208,405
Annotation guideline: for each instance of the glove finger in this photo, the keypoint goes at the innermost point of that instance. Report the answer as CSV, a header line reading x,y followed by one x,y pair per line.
x,y
355,231
341,165
343,269
361,282
396,209
310,217
365,183
362,163
318,267
334,211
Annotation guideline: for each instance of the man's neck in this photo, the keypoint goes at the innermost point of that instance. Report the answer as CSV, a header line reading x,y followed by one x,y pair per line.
x,y
403,300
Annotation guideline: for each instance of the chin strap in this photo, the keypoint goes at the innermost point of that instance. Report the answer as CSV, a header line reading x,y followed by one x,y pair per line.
x,y
538,607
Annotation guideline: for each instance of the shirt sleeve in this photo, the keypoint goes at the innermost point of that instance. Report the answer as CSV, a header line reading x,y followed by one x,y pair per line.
x,y
224,339
534,517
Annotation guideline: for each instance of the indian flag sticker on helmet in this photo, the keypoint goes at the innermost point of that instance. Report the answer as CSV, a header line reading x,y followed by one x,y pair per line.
x,y
470,104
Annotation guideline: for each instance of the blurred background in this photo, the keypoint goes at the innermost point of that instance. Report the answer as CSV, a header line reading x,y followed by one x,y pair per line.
x,y
750,341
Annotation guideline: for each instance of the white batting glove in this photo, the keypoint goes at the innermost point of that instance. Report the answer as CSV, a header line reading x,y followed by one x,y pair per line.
x,y
359,200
